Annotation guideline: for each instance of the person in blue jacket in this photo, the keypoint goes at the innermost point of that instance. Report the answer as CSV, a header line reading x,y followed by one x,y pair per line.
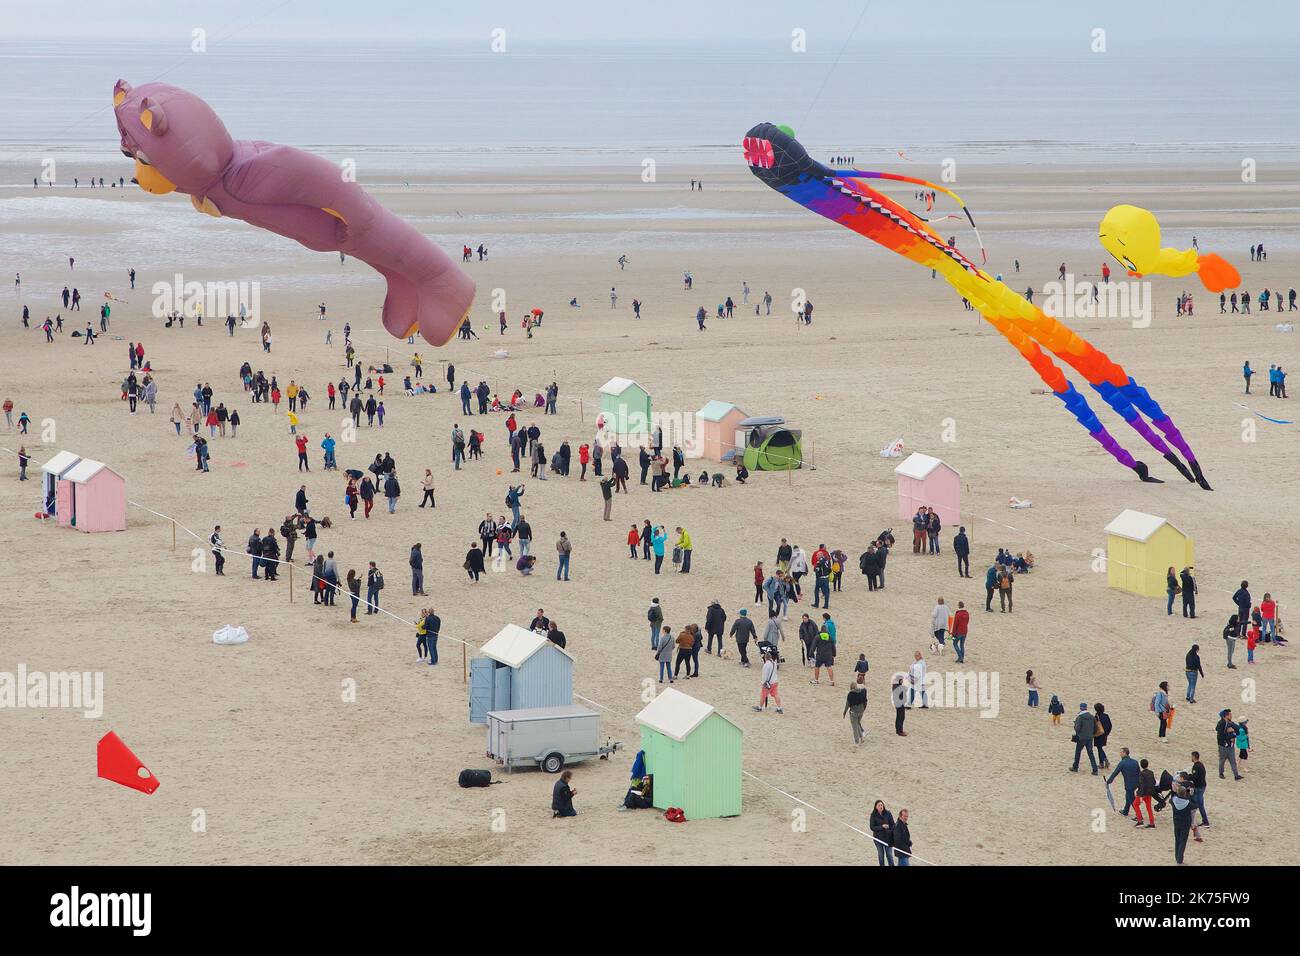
x,y
1128,769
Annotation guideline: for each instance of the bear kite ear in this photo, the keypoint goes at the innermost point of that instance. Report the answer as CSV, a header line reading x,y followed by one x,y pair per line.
x,y
120,89
152,117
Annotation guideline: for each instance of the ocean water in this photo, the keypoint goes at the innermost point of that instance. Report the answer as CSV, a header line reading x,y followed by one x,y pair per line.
x,y
406,106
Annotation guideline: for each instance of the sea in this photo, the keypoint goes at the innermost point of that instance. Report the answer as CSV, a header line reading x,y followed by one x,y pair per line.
x,y
412,107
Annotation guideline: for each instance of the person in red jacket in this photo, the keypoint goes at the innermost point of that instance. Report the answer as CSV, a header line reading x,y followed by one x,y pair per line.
x,y
329,391
301,442
759,577
1268,617
633,538
960,624
584,456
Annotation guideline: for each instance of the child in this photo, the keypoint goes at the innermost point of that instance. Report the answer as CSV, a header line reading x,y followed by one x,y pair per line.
x,y
1031,682
860,669
1243,743
1252,638
1056,709
380,413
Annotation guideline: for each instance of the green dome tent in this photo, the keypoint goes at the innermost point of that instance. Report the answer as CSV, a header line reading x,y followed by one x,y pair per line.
x,y
774,448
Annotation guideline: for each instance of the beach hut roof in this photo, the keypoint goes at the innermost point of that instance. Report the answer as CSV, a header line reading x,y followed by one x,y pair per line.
x,y
60,462
86,469
617,386
920,466
1136,525
675,714
716,411
513,645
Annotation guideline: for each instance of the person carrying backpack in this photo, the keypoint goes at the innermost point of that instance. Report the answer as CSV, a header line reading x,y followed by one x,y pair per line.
x,y
1005,580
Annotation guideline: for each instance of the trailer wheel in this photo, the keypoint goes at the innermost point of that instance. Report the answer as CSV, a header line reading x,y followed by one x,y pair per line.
x,y
553,762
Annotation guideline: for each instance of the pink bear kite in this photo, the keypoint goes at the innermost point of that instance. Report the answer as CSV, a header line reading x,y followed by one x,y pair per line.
x,y
179,144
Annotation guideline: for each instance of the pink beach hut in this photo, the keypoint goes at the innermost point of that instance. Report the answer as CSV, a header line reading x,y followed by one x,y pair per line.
x,y
92,497
718,423
923,480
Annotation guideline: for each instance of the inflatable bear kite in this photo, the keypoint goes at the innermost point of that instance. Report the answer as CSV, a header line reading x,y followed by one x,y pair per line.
x,y
179,144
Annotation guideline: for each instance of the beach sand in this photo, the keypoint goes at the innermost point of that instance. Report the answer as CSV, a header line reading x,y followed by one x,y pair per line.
x,y
259,736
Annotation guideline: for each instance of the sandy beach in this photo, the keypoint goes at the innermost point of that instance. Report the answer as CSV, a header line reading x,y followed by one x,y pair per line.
x,y
260,738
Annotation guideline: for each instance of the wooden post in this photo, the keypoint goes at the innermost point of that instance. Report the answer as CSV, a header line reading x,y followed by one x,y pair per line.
x,y
290,563
464,663
972,531
173,534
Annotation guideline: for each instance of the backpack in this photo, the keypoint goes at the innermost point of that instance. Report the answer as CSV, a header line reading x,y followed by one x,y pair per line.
x,y
650,615
475,778
379,581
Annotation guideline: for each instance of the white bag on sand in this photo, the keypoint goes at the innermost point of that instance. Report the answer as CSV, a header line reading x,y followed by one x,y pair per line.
x,y
1285,327
893,450
1014,502
230,634
501,353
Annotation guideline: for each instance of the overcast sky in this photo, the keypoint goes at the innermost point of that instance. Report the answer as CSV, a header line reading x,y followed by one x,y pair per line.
x,y
1167,30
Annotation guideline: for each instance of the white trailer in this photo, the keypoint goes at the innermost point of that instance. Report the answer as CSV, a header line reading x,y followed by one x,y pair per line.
x,y
546,737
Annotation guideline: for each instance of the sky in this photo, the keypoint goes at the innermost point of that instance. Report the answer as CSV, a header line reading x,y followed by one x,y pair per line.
x,y
1167,29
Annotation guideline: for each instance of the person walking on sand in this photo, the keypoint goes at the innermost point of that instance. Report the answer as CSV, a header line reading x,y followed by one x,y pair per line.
x,y
1226,733
607,493
742,629
960,625
855,705
824,653
770,687
1194,671
1085,727
882,833
1128,769
663,653
1188,584
1163,711
939,622
1183,805
564,548
416,562
374,584
1146,790
1101,735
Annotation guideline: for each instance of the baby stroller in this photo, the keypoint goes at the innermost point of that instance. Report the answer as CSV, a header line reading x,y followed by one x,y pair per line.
x,y
766,647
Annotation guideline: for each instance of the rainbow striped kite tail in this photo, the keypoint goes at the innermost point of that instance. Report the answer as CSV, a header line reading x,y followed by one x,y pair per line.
x,y
1140,397
1078,406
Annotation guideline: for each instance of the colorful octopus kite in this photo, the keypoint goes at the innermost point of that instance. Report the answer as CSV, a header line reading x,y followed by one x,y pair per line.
x,y
779,161
179,144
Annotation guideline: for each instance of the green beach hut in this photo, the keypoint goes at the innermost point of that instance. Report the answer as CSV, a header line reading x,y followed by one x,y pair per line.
x,y
625,407
693,753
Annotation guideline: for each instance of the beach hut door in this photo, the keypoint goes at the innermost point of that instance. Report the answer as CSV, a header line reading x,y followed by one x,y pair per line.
x,y
481,685
503,687
63,502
